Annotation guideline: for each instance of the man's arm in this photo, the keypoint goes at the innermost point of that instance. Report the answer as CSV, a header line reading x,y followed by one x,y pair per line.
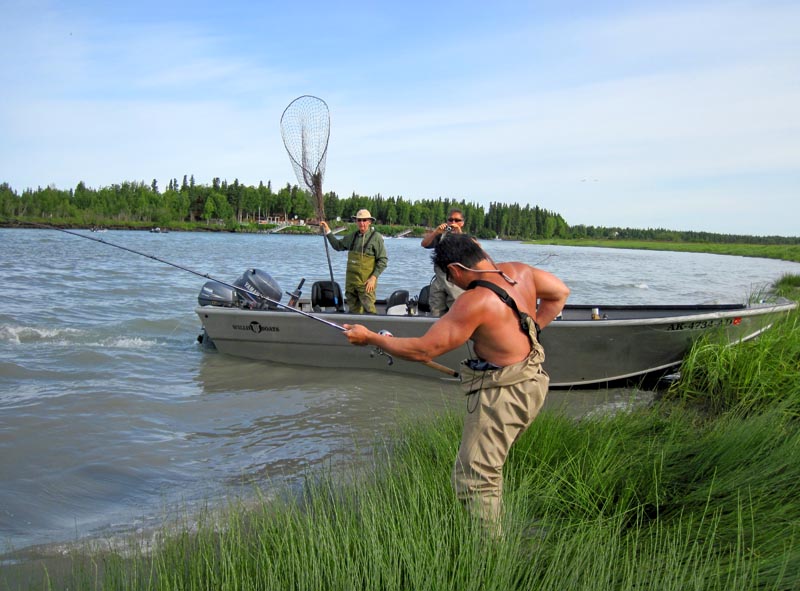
x,y
447,333
381,257
335,242
429,240
552,294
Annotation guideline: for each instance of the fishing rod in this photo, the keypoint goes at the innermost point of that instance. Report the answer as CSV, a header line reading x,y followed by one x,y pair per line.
x,y
249,294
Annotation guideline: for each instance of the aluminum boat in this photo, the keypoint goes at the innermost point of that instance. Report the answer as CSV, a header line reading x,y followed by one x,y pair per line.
x,y
587,344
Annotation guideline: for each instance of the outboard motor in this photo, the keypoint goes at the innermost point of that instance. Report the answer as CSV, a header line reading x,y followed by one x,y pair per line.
x,y
217,294
261,283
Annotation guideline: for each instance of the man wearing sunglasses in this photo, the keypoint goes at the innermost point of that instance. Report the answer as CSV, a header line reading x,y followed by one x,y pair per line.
x,y
366,260
504,382
442,292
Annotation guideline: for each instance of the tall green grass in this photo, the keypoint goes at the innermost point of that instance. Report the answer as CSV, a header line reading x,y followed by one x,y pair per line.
x,y
788,286
654,499
686,494
751,376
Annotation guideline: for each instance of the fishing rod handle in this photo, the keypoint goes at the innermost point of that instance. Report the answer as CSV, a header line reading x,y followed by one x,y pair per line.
x,y
431,364
442,368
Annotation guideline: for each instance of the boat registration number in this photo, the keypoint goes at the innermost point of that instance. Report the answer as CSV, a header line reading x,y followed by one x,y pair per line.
x,y
705,324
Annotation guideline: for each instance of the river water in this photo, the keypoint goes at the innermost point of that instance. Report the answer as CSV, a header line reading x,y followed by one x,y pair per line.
x,y
113,419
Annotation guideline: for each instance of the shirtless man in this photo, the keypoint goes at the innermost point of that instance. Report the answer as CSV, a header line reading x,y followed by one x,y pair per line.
x,y
505,381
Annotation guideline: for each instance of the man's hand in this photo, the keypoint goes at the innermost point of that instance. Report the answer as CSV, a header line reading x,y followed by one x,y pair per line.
x,y
442,228
357,334
370,284
324,225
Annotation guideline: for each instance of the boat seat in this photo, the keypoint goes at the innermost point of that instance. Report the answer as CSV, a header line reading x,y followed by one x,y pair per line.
x,y
397,303
399,296
422,303
323,296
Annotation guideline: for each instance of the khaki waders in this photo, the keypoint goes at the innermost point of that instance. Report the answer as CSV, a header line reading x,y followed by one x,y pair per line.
x,y
502,404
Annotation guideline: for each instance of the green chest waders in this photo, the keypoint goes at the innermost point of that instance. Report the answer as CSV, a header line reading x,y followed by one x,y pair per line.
x,y
359,269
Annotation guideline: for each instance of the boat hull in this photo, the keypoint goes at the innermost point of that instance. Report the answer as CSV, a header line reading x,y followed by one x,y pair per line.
x,y
628,341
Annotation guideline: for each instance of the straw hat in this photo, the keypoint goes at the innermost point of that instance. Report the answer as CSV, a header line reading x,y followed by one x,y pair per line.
x,y
363,214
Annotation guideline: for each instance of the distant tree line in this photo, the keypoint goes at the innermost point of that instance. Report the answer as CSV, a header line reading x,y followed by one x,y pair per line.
x,y
663,235
232,204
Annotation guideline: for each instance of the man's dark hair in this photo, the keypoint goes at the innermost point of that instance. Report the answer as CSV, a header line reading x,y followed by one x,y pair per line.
x,y
457,248
455,210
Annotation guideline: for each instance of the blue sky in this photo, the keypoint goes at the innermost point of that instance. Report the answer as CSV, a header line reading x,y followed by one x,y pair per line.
x,y
679,115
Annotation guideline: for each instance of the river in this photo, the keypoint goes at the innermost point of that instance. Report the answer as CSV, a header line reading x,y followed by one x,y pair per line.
x,y
113,419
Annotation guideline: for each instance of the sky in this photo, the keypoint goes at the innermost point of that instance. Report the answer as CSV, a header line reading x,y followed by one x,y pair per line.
x,y
678,115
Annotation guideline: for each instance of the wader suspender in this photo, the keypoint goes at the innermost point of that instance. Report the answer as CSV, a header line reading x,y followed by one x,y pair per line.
x,y
524,319
363,244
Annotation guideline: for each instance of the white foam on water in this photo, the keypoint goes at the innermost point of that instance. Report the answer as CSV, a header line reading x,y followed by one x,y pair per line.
x,y
19,334
129,343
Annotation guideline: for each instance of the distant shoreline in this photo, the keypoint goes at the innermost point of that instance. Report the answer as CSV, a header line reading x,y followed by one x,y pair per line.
x,y
308,230
784,252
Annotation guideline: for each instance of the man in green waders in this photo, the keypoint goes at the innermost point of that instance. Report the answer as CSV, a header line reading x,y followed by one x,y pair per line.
x,y
366,260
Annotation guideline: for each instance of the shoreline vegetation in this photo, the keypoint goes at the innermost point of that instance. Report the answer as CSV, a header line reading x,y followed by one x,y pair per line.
x,y
784,252
697,490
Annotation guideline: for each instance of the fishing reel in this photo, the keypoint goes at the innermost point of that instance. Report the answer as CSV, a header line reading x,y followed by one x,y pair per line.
x,y
379,351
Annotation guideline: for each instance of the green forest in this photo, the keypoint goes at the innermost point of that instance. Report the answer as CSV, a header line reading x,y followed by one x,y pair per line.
x,y
236,207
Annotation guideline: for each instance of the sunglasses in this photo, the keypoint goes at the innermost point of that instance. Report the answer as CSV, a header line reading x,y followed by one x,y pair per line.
x,y
454,220
360,220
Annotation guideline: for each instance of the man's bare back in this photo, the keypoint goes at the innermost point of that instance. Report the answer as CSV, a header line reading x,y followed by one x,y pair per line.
x,y
498,337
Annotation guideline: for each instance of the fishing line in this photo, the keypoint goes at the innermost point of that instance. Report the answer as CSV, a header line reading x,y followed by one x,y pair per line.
x,y
249,294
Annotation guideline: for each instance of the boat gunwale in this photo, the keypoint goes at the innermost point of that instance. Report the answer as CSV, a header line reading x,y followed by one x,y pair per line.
x,y
705,312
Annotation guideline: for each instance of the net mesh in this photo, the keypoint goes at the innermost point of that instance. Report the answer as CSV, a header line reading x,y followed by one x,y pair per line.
x,y
305,129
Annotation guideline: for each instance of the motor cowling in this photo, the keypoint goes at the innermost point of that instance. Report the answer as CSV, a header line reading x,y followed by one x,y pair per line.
x,y
261,283
214,293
